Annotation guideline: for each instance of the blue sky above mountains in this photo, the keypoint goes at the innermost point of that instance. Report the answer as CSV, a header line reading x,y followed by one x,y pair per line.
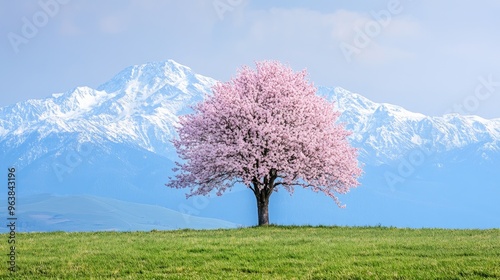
x,y
427,56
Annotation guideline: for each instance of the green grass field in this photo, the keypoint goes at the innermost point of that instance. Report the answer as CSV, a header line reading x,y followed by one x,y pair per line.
x,y
259,253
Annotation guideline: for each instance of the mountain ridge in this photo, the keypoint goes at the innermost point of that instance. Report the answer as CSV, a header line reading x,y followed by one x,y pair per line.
x,y
113,142
140,106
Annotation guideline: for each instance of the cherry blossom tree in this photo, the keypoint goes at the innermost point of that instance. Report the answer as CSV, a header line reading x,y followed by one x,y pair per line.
x,y
267,129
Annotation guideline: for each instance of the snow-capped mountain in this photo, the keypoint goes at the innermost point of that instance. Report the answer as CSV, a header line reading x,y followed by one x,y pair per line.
x,y
385,132
138,107
113,142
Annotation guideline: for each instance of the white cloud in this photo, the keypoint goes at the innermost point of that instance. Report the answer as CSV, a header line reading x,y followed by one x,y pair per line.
x,y
303,30
296,27
404,27
68,27
378,54
345,22
112,24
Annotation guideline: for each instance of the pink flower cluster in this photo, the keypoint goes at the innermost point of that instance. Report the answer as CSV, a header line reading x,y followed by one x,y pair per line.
x,y
265,128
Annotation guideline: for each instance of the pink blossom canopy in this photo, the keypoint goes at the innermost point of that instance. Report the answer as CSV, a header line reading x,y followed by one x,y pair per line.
x,y
265,121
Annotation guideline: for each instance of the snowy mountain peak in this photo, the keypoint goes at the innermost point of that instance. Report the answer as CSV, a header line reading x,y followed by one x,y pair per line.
x,y
386,133
151,77
139,107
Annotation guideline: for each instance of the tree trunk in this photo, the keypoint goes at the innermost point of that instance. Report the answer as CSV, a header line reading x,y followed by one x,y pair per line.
x,y
263,208
262,195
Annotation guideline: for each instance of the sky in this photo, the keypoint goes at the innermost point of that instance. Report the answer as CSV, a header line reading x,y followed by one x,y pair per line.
x,y
431,57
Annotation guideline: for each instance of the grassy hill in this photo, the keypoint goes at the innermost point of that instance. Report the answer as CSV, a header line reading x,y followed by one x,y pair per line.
x,y
258,253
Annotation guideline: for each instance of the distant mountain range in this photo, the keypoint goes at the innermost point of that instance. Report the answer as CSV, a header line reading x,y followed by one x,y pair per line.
x,y
106,152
